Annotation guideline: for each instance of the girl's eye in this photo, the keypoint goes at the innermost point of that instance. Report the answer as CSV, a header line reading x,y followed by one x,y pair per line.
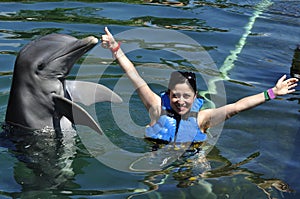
x,y
186,96
175,96
178,96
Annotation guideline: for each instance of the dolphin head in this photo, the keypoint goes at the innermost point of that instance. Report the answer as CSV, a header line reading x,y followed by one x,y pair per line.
x,y
40,70
52,56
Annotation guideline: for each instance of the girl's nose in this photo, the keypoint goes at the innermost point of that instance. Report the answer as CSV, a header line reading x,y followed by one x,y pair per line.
x,y
181,99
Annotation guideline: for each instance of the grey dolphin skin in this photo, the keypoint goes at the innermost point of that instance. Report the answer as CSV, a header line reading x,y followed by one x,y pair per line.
x,y
41,97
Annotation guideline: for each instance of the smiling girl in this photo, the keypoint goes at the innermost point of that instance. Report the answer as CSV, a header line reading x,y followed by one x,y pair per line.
x,y
176,115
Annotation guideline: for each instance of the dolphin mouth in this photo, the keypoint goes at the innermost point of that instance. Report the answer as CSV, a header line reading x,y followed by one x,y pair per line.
x,y
63,60
80,47
85,44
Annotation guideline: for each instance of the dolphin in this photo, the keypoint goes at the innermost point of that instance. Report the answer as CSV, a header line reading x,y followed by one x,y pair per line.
x,y
40,95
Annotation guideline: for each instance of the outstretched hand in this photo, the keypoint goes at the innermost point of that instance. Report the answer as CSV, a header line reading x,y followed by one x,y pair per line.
x,y
108,40
284,86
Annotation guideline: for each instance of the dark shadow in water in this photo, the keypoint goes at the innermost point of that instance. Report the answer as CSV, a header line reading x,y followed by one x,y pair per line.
x,y
45,166
191,171
45,161
294,168
295,72
295,66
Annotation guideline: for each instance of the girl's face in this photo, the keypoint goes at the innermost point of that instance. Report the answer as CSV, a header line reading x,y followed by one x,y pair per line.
x,y
182,97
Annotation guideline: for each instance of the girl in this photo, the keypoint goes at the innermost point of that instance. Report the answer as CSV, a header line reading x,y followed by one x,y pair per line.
x,y
176,115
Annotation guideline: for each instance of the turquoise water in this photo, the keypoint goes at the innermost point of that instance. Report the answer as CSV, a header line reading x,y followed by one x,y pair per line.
x,y
257,149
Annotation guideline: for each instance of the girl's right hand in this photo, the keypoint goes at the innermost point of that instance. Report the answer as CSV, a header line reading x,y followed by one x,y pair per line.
x,y
108,40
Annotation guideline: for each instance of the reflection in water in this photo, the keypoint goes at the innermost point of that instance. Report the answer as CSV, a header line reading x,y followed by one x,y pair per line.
x,y
198,169
295,67
45,161
45,164
266,185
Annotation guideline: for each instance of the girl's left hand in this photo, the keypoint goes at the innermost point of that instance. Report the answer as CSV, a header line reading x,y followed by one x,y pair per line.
x,y
284,86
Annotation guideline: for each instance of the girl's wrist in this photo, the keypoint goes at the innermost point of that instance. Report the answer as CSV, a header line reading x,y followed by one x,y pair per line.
x,y
115,48
269,94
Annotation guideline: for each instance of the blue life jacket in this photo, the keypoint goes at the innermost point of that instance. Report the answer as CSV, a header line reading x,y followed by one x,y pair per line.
x,y
171,128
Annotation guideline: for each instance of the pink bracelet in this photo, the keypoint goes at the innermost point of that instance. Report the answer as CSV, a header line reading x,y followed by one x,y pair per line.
x,y
115,49
271,94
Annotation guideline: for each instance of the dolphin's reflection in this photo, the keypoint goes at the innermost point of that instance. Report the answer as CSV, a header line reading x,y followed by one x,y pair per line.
x,y
45,159
46,166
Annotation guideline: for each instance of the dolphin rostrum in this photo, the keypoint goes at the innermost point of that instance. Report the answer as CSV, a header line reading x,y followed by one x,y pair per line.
x,y
41,97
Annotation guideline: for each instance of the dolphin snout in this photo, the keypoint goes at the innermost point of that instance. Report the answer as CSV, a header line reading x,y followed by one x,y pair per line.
x,y
91,39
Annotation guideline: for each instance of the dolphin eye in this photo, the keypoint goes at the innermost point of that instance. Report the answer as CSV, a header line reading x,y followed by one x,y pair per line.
x,y
41,66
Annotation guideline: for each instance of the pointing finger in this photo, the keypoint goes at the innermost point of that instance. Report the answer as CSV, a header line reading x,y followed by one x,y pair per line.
x,y
107,32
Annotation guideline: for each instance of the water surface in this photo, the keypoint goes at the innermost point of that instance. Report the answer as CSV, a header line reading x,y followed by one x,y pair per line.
x,y
257,151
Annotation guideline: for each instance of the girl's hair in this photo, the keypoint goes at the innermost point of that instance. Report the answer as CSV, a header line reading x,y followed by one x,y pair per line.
x,y
180,77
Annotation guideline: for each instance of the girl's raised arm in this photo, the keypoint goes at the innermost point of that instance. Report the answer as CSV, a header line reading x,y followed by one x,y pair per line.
x,y
151,100
211,117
